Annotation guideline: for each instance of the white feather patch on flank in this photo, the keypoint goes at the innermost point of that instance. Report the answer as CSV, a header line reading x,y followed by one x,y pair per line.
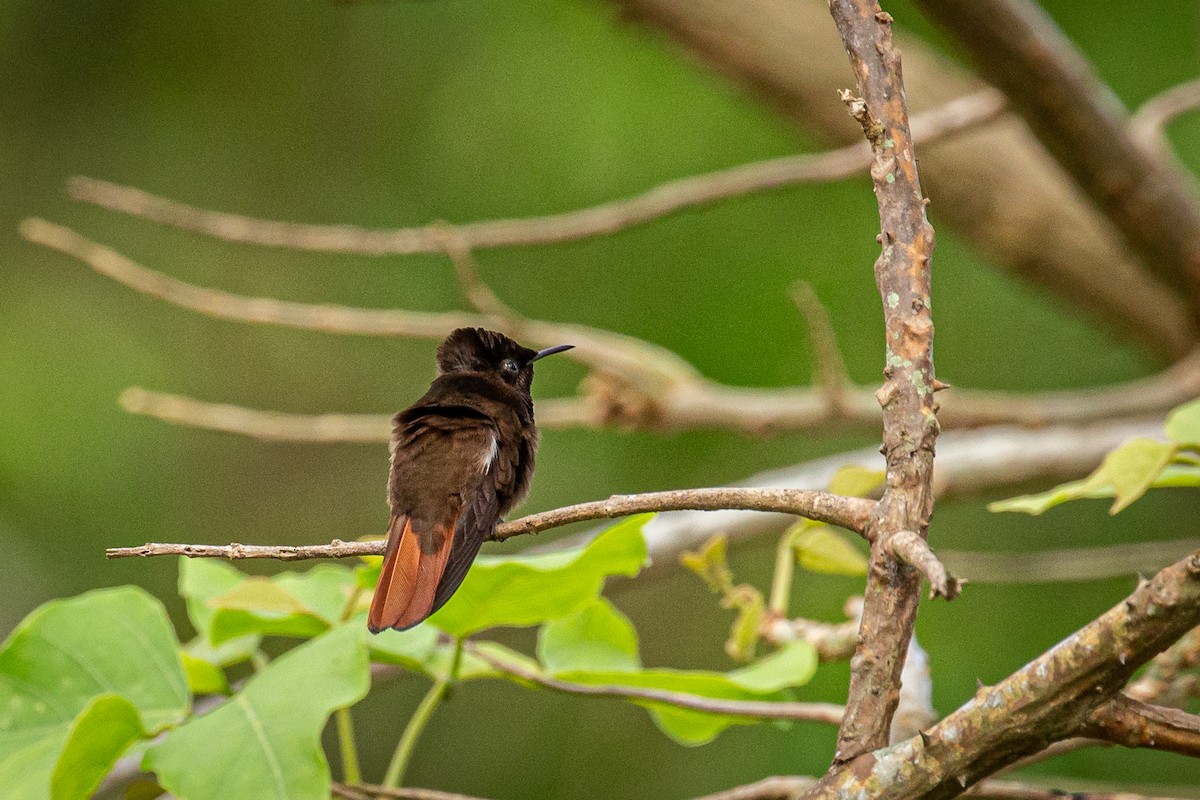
x,y
489,455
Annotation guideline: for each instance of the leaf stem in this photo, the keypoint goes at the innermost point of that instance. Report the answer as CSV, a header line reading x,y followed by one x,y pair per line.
x,y
781,583
420,718
345,732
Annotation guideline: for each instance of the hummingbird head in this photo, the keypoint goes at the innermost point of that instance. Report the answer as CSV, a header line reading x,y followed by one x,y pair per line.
x,y
480,350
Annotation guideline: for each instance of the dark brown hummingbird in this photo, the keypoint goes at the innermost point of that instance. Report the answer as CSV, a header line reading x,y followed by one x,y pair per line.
x,y
462,456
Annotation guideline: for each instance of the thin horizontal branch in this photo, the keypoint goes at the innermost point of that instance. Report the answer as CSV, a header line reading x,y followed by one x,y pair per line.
x,y
1132,723
851,513
636,384
647,366
827,713
668,198
702,404
358,791
832,641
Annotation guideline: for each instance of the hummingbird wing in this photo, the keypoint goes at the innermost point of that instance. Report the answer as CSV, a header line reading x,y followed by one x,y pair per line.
x,y
475,526
443,508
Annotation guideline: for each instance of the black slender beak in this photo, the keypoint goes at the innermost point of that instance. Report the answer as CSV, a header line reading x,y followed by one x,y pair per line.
x,y
549,351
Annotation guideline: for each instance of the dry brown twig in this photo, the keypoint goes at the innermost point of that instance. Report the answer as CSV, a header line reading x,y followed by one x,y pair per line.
x,y
954,117
851,513
635,383
828,713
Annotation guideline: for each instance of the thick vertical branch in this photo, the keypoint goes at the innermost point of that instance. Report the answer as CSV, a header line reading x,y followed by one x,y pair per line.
x,y
910,426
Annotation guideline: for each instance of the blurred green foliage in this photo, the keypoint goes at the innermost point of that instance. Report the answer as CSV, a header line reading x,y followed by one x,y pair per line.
x,y
388,114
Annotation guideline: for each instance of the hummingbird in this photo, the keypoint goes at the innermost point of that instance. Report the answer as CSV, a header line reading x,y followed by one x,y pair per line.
x,y
461,457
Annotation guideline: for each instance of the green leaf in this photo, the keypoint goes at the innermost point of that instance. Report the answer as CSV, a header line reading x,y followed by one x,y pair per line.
x,y
265,742
61,658
792,665
303,604
1173,475
528,590
855,481
710,564
200,580
596,637
822,549
101,733
202,676
1131,468
1183,424
259,594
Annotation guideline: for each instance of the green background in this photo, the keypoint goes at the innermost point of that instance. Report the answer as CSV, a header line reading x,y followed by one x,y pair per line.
x,y
389,114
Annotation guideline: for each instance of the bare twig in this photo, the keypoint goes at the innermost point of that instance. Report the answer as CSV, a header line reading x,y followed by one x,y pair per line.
x,y
832,641
1017,46
779,787
1148,124
909,547
910,425
955,116
827,713
642,364
1132,723
636,383
1050,699
366,791
474,289
849,512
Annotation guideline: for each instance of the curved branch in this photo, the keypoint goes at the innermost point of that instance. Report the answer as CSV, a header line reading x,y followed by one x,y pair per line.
x,y
668,198
851,513
636,383
827,713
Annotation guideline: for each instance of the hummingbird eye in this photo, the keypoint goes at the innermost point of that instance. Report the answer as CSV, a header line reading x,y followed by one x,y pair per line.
x,y
509,365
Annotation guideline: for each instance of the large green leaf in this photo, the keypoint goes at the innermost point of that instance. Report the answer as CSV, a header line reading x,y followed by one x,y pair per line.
x,y
54,666
596,637
792,665
1183,424
527,590
1174,475
265,743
